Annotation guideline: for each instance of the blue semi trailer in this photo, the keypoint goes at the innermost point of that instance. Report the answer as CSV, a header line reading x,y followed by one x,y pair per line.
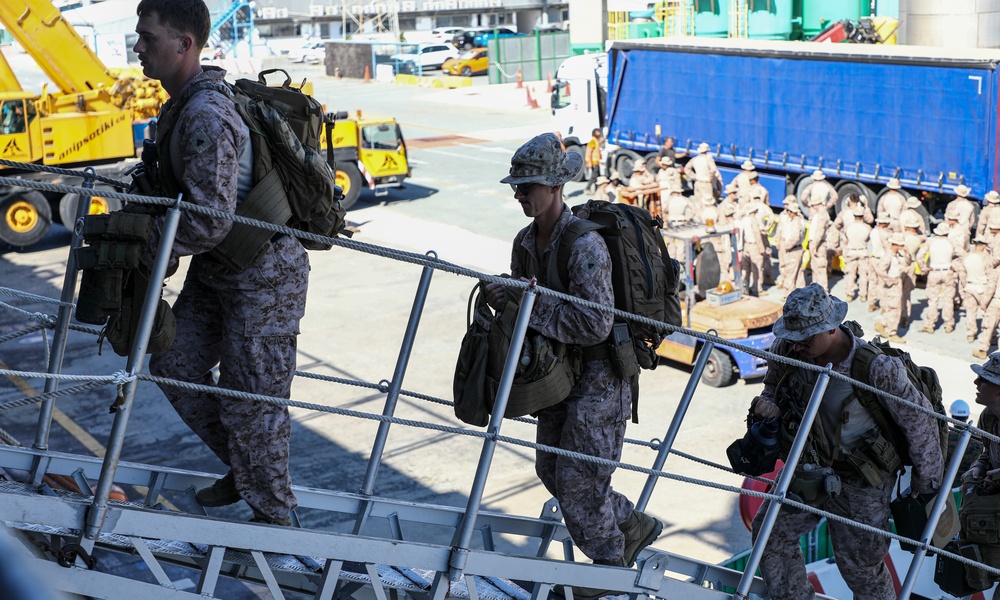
x,y
861,113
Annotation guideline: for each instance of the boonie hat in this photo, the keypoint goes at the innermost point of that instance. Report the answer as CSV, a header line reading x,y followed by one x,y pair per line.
x,y
858,210
818,175
748,166
893,184
731,188
809,310
913,202
912,220
543,160
639,165
941,229
993,197
753,174
601,180
794,207
962,191
989,370
897,239
883,220
951,213
980,239
703,147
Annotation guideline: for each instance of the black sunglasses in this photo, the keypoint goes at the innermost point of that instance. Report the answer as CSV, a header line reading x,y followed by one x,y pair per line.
x,y
803,343
521,188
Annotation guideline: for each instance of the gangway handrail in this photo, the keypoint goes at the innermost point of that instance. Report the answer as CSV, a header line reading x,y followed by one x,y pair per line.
x,y
96,517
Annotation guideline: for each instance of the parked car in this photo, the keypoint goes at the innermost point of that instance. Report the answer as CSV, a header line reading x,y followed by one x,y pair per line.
x,y
445,34
465,39
481,38
311,52
470,62
428,56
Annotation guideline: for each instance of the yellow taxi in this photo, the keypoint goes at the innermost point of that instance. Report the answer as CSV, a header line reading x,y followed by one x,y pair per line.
x,y
470,62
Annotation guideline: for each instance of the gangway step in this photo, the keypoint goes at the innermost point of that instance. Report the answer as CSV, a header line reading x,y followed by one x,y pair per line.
x,y
242,562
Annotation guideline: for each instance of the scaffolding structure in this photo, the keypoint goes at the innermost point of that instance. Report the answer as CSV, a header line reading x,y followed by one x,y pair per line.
x,y
374,17
739,19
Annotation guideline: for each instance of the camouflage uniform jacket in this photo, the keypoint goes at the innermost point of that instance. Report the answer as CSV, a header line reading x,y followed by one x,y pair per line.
x,y
887,374
210,135
989,458
568,322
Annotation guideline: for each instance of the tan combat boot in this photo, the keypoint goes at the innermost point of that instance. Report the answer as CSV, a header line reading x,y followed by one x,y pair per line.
x,y
221,493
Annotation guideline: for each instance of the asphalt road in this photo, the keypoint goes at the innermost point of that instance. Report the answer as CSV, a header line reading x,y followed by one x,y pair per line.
x,y
460,145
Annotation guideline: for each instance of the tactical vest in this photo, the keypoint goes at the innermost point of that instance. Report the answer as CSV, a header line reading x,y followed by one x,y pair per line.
x,y
854,443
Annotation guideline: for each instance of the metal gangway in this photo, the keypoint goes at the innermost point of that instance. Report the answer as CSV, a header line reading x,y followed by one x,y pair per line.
x,y
61,530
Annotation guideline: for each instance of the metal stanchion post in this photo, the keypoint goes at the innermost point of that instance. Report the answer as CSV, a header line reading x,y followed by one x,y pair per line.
x,y
675,424
61,332
378,448
781,486
99,509
932,520
463,536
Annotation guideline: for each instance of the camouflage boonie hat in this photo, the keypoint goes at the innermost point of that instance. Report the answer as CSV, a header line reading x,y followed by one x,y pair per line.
x,y
951,213
883,220
893,184
858,210
897,239
962,191
703,147
818,175
941,229
980,239
912,220
993,197
913,202
748,166
731,188
809,310
543,160
990,370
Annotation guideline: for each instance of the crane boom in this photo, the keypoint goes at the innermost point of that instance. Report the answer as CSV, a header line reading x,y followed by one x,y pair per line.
x,y
56,47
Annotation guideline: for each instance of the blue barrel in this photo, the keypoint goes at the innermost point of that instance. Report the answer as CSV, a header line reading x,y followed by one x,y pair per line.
x,y
711,18
770,20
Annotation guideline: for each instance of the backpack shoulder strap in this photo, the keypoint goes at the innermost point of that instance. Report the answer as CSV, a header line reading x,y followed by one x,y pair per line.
x,y
557,271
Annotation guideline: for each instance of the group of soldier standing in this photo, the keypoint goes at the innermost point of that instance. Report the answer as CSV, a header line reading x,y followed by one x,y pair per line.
x,y
881,252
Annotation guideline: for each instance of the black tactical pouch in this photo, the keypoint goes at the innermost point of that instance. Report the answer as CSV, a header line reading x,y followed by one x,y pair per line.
x,y
123,327
621,351
959,579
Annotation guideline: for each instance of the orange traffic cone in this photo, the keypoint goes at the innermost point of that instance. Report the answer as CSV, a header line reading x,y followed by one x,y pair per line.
x,y
368,74
520,79
549,90
532,103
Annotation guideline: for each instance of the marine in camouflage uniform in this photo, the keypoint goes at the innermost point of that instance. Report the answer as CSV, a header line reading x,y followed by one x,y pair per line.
x,y
591,420
981,280
935,258
893,269
891,204
854,244
243,322
791,232
992,206
811,330
819,247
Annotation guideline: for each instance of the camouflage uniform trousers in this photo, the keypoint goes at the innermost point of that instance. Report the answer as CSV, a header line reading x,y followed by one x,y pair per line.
x,y
592,424
909,284
875,283
940,298
790,268
701,190
855,275
247,325
819,260
971,304
859,554
891,301
990,321
752,260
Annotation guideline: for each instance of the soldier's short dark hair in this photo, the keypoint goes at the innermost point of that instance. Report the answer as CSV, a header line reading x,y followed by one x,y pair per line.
x,y
183,16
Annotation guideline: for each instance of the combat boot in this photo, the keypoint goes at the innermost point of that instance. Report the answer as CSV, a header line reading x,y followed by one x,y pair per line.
x,y
221,493
285,521
880,328
640,531
949,328
895,339
927,328
979,353
585,593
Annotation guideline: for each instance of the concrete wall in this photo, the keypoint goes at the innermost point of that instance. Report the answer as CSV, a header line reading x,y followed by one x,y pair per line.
x,y
950,23
350,58
588,22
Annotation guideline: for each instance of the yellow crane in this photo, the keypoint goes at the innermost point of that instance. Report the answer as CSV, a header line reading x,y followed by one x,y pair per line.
x,y
88,121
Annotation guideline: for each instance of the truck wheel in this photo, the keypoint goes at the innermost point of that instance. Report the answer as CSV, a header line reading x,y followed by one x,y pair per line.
x,y
26,217
582,173
651,165
719,371
624,160
851,187
349,179
802,193
99,205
